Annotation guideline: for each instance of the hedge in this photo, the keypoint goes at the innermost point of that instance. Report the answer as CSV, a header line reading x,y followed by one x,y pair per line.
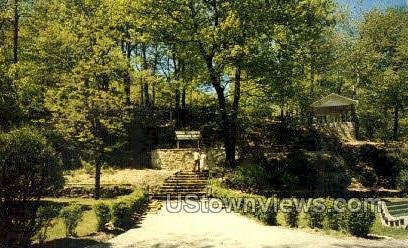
x,y
356,223
121,211
247,206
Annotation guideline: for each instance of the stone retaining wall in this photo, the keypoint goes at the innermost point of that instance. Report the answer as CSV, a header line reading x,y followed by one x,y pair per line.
x,y
82,191
173,159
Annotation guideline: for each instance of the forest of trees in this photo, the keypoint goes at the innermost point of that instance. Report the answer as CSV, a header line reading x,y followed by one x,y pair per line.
x,y
85,71
97,81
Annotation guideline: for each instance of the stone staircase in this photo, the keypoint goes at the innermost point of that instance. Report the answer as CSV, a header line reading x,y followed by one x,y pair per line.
x,y
181,184
394,214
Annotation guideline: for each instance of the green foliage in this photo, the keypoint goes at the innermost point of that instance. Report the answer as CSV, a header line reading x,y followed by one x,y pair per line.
x,y
360,222
29,169
333,218
103,214
318,171
262,208
45,216
27,159
403,180
71,216
315,215
250,178
292,216
125,207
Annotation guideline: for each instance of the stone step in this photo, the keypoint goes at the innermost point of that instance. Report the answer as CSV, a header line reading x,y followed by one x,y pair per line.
x,y
176,196
186,181
183,186
190,173
190,176
181,190
190,182
154,207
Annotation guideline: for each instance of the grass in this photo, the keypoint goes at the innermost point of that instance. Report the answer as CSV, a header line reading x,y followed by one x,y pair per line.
x,y
379,229
87,226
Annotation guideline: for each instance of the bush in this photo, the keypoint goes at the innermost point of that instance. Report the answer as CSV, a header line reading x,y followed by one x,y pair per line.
x,y
103,215
71,216
250,178
292,216
360,222
251,204
124,208
367,175
29,169
45,215
333,217
317,171
268,215
403,180
315,215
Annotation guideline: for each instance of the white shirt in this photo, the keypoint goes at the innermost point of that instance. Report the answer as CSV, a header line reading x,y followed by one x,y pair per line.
x,y
203,157
196,156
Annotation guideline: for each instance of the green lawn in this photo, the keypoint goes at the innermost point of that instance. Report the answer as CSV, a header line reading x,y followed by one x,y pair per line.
x,y
381,230
86,227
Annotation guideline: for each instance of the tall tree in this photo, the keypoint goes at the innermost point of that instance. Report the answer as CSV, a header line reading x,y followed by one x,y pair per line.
x,y
385,84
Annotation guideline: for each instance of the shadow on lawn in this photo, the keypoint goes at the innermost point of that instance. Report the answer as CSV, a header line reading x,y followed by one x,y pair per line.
x,y
70,243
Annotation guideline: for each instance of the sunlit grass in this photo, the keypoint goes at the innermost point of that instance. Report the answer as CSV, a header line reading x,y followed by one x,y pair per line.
x,y
87,226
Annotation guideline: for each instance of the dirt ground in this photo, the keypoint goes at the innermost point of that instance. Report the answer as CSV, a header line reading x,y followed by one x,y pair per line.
x,y
137,178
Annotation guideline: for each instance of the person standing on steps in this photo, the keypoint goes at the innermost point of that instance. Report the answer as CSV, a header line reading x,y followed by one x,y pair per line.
x,y
196,156
203,160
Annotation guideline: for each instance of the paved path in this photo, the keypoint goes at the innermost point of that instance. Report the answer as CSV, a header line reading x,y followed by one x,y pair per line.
x,y
205,230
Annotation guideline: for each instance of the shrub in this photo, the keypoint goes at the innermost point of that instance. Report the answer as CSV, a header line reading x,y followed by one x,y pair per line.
x,y
250,178
125,206
266,215
360,222
318,171
103,215
71,216
333,217
403,180
29,169
315,215
292,216
368,176
250,202
45,215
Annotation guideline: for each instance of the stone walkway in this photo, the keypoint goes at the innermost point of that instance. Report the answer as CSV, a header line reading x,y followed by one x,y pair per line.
x,y
166,229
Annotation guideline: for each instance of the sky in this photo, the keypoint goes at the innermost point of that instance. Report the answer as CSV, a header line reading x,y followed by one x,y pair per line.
x,y
359,7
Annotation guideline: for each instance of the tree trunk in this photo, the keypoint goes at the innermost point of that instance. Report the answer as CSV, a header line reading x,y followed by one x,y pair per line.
x,y
395,133
16,31
98,166
228,122
177,107
145,90
183,116
127,80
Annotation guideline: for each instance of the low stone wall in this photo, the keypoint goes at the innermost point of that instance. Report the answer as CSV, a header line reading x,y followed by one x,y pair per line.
x,y
87,191
173,159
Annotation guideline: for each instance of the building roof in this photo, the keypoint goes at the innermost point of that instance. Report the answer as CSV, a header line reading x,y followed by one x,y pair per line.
x,y
334,100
